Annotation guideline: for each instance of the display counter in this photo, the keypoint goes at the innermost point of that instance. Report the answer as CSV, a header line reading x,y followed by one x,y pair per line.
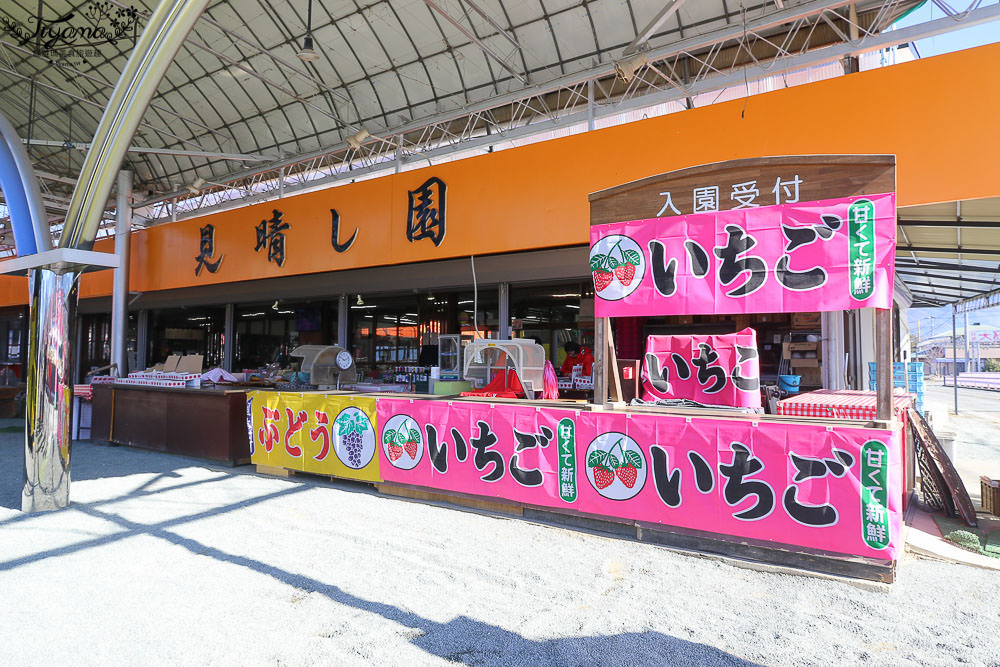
x,y
205,423
789,485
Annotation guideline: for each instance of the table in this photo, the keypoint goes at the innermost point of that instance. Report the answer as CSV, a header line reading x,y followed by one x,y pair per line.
x,y
207,423
842,404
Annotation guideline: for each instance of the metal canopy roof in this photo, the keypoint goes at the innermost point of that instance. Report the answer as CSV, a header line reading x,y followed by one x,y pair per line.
x,y
948,253
239,116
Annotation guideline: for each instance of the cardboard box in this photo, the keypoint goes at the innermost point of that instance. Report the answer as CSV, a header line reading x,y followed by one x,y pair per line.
x,y
811,377
805,363
806,320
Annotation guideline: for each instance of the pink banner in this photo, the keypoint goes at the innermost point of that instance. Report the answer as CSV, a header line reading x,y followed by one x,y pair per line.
x,y
835,489
835,254
715,370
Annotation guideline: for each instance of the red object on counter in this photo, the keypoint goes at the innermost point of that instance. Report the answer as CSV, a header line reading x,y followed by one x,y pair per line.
x,y
503,385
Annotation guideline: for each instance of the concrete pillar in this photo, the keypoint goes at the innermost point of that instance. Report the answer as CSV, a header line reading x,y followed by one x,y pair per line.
x,y
142,339
119,300
504,311
229,337
342,312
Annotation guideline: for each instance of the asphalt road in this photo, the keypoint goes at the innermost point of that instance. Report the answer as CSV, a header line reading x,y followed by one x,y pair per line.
x,y
973,400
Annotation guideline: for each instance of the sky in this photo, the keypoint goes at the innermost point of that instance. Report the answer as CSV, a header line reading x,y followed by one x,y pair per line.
x,y
956,40
938,320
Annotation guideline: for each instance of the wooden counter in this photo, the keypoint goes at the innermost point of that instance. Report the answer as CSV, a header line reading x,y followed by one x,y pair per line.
x,y
206,423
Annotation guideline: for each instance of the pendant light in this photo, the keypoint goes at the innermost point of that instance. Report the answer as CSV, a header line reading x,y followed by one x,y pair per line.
x,y
307,53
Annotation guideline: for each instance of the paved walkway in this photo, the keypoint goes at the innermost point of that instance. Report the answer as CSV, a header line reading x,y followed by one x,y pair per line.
x,y
167,560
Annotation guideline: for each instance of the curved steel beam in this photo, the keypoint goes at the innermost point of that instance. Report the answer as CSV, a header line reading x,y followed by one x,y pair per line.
x,y
21,194
52,318
162,38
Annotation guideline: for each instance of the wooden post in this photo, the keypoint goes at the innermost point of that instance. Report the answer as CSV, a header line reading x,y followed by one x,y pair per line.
x,y
600,361
606,380
614,381
883,363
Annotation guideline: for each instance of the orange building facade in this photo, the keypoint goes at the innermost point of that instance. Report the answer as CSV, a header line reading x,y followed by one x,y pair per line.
x,y
523,212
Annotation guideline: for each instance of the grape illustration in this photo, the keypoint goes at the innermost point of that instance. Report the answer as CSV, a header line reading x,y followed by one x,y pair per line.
x,y
352,431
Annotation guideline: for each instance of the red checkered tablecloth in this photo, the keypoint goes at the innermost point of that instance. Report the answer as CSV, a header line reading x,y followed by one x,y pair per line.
x,y
840,404
84,391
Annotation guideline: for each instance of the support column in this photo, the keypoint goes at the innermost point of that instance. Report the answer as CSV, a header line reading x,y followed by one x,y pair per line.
x,y
142,339
600,371
954,354
342,312
504,310
590,105
883,362
229,335
119,298
48,414
833,350
967,345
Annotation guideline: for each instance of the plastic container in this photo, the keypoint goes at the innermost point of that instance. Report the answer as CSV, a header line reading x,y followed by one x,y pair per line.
x,y
484,357
789,383
947,440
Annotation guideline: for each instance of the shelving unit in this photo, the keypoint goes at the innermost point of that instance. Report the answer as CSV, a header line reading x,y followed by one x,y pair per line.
x,y
804,357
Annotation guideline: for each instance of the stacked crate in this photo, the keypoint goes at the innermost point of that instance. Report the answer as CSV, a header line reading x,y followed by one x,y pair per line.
x,y
908,376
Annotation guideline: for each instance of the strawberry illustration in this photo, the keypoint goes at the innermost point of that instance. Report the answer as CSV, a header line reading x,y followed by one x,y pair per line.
x,y
603,476
602,279
411,448
627,474
395,451
625,273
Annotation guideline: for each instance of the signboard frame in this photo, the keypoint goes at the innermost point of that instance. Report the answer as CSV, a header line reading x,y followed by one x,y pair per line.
x,y
794,177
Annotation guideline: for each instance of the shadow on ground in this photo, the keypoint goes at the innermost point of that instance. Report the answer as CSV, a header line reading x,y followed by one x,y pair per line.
x,y
462,640
89,461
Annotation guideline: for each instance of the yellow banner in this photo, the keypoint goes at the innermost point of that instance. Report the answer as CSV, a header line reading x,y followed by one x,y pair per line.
x,y
317,433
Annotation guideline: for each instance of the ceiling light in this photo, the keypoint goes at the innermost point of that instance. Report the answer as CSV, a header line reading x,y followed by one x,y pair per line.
x,y
354,141
307,53
626,68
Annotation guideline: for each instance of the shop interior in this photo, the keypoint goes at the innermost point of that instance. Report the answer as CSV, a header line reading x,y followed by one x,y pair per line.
x,y
393,338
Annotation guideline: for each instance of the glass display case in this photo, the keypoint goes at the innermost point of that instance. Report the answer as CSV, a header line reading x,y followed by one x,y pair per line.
x,y
450,357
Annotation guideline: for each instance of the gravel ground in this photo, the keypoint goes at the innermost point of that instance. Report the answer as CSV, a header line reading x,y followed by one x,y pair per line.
x,y
167,560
